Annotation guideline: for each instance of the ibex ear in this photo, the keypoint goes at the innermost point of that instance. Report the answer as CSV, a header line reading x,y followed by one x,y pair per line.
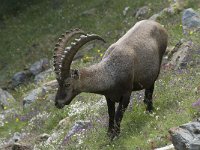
x,y
75,74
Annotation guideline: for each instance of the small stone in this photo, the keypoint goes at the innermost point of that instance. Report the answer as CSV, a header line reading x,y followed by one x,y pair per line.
x,y
5,99
197,89
78,126
43,137
155,17
51,85
43,75
20,78
125,10
16,137
89,12
142,13
168,147
21,146
33,95
64,122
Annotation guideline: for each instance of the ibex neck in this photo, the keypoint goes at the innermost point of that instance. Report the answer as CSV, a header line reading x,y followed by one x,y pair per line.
x,y
94,79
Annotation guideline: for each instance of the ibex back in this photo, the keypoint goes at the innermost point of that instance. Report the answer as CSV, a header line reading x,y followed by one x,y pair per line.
x,y
130,64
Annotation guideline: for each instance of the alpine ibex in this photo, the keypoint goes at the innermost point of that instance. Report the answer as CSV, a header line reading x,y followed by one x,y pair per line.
x,y
130,64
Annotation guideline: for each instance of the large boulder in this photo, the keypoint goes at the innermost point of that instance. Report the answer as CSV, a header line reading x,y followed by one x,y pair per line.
x,y
191,19
39,66
5,99
187,136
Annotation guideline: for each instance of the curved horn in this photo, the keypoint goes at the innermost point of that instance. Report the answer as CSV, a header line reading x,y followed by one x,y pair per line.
x,y
59,49
71,51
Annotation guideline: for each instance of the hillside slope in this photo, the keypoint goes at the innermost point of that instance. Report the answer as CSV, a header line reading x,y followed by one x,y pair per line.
x,y
28,33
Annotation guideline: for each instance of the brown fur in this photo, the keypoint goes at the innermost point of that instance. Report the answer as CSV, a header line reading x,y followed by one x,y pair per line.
x,y
133,60
130,64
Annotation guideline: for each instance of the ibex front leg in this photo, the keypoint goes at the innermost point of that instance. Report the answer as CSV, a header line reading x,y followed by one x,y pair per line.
x,y
120,111
111,112
148,98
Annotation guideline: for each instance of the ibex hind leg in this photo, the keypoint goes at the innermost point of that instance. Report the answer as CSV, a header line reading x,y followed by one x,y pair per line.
x,y
148,98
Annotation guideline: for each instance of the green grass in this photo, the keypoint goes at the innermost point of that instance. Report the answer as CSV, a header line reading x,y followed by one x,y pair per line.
x,y
31,33
10,127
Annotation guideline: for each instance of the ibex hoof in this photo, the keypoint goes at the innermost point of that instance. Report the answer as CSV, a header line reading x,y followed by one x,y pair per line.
x,y
113,134
149,109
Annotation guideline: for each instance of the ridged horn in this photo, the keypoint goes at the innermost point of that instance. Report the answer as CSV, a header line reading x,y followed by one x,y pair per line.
x,y
66,63
59,50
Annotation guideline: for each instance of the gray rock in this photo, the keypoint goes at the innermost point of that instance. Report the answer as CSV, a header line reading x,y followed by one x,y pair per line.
x,y
142,13
190,20
182,56
5,99
2,118
21,146
195,145
51,85
43,137
40,92
168,147
34,95
64,122
20,78
125,10
6,114
78,127
16,137
166,11
89,12
39,66
186,136
43,75
155,17
175,7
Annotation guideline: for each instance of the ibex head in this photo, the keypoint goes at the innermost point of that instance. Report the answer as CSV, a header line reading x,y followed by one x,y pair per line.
x,y
67,78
